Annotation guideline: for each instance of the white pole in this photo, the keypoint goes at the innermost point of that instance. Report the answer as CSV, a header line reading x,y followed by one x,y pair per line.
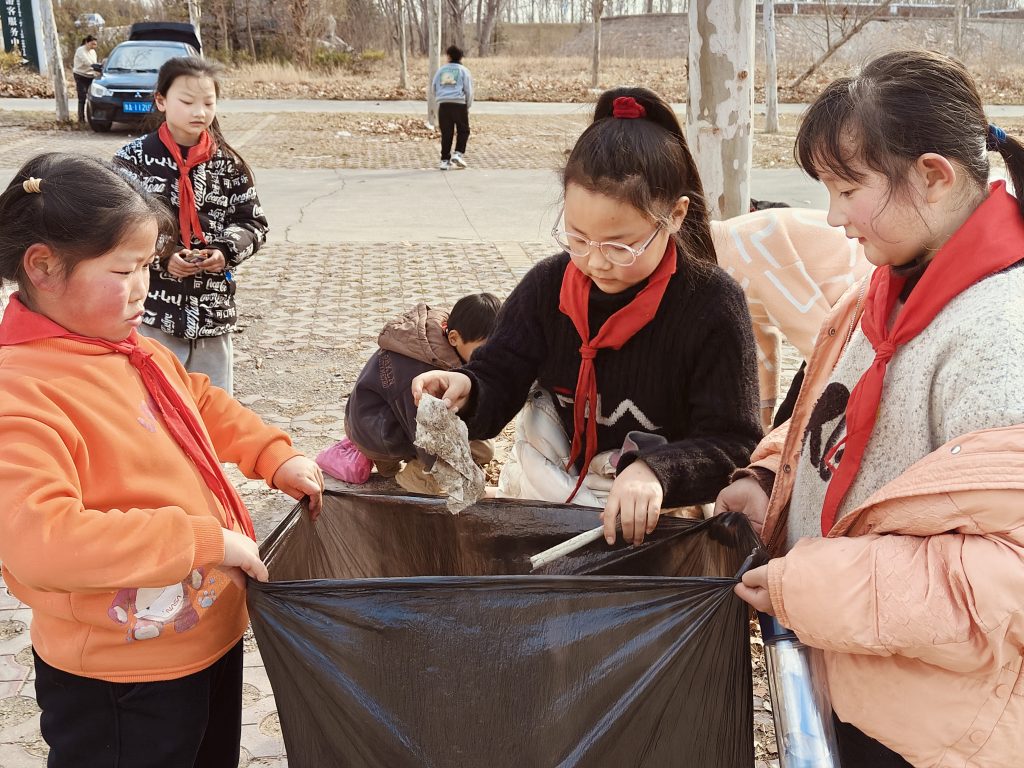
x,y
403,46
720,101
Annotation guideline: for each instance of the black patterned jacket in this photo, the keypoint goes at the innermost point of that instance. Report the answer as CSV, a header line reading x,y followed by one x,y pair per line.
x,y
232,221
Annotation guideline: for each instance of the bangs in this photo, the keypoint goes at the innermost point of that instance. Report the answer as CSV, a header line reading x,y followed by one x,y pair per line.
x,y
827,139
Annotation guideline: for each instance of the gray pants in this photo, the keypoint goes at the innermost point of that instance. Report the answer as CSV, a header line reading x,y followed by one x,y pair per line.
x,y
212,355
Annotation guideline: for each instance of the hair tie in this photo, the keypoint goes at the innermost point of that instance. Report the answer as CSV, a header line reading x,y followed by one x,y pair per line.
x,y
628,108
31,185
996,137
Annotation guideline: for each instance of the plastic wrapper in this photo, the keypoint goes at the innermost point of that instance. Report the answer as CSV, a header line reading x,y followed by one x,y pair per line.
x,y
397,635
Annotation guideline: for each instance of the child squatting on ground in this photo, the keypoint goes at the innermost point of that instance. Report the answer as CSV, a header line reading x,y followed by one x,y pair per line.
x,y
640,345
120,529
380,416
892,498
189,164
452,88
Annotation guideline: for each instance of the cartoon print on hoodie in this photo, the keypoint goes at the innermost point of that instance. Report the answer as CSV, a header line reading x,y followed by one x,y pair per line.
x,y
147,611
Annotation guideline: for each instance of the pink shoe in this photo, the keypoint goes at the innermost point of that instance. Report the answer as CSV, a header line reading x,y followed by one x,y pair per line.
x,y
346,462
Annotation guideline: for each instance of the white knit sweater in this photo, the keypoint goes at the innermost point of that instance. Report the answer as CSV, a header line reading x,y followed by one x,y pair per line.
x,y
963,373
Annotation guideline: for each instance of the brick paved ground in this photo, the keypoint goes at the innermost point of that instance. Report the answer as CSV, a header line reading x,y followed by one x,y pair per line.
x,y
304,336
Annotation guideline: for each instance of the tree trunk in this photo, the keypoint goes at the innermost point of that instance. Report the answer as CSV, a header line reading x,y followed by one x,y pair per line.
x,y
403,54
55,59
720,101
841,42
771,70
597,8
434,52
649,6
195,15
248,29
958,29
492,12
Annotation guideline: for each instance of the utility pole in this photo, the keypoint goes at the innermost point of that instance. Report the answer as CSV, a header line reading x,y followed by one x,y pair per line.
x,y
55,59
720,103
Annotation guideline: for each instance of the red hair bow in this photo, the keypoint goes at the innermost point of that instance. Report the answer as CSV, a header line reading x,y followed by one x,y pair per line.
x,y
627,107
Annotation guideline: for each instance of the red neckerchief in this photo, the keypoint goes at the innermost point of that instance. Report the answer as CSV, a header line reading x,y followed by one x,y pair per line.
x,y
20,325
574,301
989,241
188,215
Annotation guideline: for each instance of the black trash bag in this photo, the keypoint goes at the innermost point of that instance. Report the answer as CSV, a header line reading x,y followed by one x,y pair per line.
x,y
397,635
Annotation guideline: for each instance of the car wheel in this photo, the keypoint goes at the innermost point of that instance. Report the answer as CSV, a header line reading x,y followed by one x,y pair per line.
x,y
100,126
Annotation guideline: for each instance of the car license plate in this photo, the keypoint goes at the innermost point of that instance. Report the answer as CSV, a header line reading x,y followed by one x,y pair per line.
x,y
138,106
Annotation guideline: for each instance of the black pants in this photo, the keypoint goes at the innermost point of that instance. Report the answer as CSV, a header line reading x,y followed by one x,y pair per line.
x,y
858,750
192,722
82,84
451,117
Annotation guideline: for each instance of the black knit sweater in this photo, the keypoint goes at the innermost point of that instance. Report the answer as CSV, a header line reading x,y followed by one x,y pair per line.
x,y
688,375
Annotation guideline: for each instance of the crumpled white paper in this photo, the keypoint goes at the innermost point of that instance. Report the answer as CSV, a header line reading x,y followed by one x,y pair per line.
x,y
443,434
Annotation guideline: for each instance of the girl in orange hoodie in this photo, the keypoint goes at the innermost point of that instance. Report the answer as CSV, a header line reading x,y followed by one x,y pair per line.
x,y
896,487
119,528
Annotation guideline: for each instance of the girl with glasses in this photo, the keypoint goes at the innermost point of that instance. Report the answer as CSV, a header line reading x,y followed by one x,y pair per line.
x,y
640,346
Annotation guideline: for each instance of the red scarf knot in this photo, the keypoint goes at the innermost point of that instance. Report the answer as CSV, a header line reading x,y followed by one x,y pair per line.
x,y
191,229
138,357
991,240
628,108
884,352
574,302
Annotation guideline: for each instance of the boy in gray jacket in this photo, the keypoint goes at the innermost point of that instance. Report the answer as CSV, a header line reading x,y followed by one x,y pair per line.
x,y
453,91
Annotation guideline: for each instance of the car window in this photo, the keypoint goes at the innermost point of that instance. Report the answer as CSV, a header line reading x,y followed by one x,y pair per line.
x,y
137,58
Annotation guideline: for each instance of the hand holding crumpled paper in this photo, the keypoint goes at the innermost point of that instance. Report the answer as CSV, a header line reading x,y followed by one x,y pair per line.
x,y
443,434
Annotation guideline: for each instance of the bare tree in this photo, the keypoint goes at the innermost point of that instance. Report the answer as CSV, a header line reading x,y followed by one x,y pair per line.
x,y
720,101
434,20
596,9
842,41
492,11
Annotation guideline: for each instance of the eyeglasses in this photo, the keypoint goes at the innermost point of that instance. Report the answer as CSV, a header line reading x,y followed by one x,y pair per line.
x,y
619,254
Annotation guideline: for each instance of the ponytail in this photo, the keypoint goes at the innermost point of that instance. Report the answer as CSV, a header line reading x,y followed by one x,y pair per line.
x,y
646,163
1012,152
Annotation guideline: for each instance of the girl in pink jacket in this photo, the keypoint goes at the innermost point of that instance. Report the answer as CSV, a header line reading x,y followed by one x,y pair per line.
x,y
894,497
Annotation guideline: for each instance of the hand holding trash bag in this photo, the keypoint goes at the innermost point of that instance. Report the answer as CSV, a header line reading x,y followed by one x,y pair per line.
x,y
242,555
450,386
298,477
753,589
747,497
635,497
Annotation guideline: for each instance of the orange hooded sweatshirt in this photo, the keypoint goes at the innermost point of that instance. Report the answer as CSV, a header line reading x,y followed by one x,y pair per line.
x,y
107,530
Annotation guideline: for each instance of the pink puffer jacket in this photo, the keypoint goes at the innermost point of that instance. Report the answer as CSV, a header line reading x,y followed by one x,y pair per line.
x,y
916,596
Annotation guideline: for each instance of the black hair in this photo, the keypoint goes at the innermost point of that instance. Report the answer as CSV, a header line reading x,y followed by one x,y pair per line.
x,y
454,53
902,105
192,66
646,163
88,39
473,316
83,209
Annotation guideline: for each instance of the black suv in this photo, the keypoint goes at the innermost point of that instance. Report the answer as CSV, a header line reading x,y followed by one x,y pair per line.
x,y
123,93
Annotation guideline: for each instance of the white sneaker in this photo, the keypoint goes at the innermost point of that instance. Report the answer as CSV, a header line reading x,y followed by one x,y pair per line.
x,y
444,166
457,160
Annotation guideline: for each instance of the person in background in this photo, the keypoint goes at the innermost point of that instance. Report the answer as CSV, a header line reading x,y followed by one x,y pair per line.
x,y
453,91
85,57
